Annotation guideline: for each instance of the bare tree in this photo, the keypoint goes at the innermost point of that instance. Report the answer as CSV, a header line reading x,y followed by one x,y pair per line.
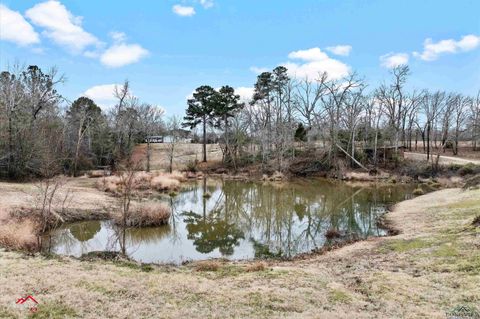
x,y
393,97
150,121
173,130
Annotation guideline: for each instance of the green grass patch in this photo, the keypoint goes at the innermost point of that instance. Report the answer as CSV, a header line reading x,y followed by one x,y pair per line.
x,y
54,310
447,250
338,296
134,265
404,245
6,313
470,265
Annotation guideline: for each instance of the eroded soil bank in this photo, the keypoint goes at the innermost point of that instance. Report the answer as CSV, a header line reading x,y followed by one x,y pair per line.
x,y
432,266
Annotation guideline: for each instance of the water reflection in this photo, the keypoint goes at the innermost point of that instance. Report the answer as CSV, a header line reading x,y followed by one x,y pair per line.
x,y
241,220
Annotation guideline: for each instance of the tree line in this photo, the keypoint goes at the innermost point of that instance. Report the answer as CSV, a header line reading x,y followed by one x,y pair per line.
x,y
43,134
342,117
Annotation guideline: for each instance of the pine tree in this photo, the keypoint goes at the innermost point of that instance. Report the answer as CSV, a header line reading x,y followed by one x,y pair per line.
x,y
226,105
200,110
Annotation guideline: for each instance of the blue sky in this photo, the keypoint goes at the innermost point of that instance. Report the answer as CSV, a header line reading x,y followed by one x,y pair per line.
x,y
168,48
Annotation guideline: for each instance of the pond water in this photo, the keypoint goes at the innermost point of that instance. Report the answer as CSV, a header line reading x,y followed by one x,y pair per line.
x,y
240,220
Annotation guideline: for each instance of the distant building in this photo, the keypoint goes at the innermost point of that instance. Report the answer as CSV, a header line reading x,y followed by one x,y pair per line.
x,y
181,136
154,139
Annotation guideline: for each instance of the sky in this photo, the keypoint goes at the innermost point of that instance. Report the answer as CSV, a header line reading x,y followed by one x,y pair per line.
x,y
167,48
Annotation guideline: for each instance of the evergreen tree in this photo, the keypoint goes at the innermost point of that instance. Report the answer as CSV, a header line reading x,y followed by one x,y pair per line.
x,y
82,116
301,133
200,110
225,107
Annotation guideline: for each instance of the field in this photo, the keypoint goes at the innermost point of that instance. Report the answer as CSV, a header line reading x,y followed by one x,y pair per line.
x,y
184,153
432,267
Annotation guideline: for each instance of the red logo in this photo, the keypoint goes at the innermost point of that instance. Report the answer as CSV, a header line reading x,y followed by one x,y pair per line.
x,y
26,301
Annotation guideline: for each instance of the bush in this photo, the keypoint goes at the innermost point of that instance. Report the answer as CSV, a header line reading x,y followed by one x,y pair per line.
x,y
332,234
469,169
164,183
146,215
257,266
418,191
143,181
19,235
207,265
192,166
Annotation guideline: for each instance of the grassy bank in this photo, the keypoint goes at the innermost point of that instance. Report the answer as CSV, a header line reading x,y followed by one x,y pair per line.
x,y
430,268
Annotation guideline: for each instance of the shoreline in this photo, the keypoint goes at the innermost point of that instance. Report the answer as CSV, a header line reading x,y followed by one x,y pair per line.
x,y
376,277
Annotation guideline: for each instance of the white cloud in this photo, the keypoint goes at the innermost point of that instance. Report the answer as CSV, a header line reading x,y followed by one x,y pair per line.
x,y
258,70
14,28
391,60
246,93
61,25
121,54
313,54
432,50
316,62
206,3
183,10
103,94
343,50
118,36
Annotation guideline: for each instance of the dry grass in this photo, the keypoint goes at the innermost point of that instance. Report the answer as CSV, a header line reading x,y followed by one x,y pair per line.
x,y
184,154
19,235
147,215
97,173
418,191
208,265
256,266
160,181
432,267
163,183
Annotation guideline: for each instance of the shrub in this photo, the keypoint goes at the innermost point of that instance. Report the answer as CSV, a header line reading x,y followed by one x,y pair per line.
x,y
179,176
418,191
257,266
476,221
19,235
164,183
146,215
468,169
143,181
192,166
472,182
332,234
277,176
207,265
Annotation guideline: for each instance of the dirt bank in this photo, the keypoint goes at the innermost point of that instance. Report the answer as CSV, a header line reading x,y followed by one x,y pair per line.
x,y
430,268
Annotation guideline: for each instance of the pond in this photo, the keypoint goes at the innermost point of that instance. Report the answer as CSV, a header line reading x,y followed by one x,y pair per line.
x,y
241,220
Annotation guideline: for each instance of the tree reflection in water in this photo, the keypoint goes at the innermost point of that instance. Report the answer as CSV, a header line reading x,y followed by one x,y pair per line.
x,y
242,220
210,232
283,219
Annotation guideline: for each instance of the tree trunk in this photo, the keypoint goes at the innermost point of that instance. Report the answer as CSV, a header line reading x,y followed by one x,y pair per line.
x,y
428,141
204,139
11,158
148,154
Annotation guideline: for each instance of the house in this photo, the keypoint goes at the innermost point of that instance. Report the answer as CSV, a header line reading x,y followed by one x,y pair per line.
x,y
179,135
154,139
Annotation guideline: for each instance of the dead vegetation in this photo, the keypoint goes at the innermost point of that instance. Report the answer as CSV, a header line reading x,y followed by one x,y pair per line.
x,y
159,181
427,270
146,215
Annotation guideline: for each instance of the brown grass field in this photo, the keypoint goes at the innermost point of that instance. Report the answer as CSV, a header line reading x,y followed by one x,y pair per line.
x,y
432,266
183,154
